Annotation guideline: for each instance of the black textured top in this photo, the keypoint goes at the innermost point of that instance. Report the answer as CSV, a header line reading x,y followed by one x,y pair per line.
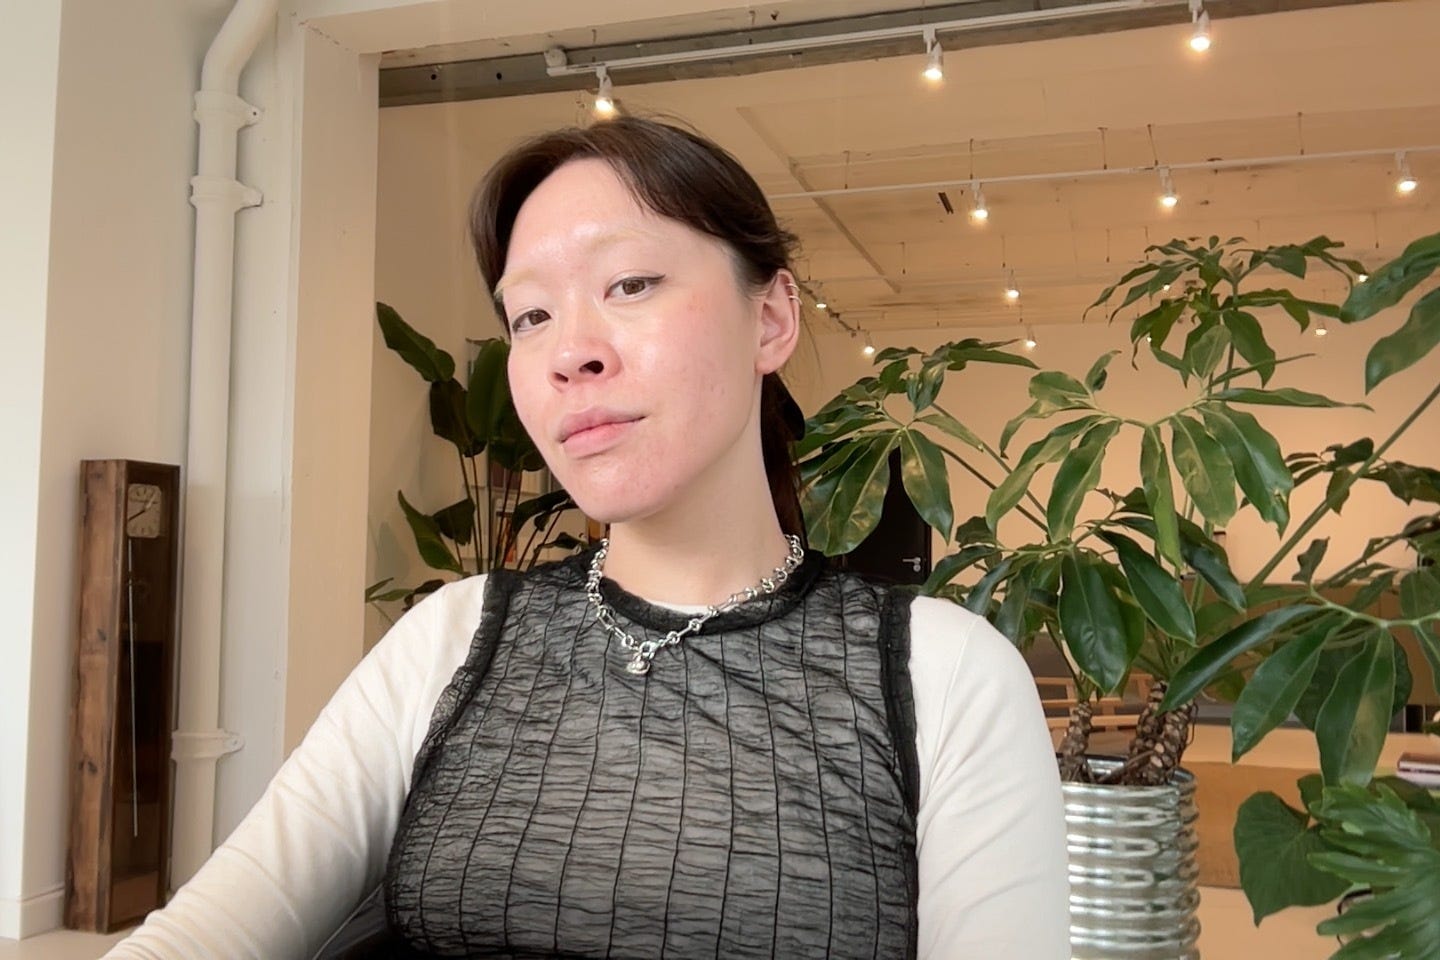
x,y
754,795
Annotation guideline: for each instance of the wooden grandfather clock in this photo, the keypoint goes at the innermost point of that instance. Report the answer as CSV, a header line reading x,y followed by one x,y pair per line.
x,y
122,711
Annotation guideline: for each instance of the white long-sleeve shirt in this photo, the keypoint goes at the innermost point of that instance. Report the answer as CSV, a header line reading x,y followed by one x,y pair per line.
x,y
990,827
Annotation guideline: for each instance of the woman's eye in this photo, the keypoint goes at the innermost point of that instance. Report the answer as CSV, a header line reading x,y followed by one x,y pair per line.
x,y
530,317
634,286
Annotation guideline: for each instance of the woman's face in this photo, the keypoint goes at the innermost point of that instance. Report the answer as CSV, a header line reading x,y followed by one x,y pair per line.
x,y
635,322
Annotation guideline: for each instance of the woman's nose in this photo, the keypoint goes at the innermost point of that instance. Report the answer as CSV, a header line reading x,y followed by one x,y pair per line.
x,y
583,352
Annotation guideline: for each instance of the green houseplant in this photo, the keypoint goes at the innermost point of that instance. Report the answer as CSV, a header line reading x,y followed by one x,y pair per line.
x,y
477,532
1145,585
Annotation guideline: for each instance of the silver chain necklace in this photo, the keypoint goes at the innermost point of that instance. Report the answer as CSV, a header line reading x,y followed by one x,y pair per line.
x,y
643,651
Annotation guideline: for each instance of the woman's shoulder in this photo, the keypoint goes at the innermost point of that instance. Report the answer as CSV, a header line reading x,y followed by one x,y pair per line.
x,y
952,646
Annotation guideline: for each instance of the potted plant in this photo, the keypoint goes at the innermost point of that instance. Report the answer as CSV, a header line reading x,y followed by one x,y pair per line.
x,y
1145,584
477,532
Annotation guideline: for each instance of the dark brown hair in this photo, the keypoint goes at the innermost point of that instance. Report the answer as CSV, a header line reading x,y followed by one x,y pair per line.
x,y
685,177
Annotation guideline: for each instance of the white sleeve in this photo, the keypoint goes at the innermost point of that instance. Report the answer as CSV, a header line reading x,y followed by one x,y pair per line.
x,y
991,824
317,839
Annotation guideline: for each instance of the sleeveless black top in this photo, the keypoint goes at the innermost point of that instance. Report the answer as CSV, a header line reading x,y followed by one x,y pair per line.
x,y
754,795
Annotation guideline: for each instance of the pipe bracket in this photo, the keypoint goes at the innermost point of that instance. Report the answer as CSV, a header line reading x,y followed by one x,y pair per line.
x,y
207,745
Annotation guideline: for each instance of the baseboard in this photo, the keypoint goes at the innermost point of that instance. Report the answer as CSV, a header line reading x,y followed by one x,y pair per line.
x,y
32,915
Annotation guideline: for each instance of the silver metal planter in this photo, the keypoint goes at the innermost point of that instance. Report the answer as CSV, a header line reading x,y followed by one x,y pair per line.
x,y
1133,873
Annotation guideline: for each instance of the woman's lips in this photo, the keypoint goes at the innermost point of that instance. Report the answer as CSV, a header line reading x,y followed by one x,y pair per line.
x,y
596,439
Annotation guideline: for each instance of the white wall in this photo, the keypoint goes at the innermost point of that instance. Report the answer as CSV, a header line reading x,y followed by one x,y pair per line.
x,y
29,61
114,321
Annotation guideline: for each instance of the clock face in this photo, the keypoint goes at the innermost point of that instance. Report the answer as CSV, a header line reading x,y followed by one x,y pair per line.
x,y
144,511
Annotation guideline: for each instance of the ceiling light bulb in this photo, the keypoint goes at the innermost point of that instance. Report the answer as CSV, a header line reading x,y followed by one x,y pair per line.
x,y
1407,182
1320,330
605,98
1362,278
1012,292
1030,342
980,211
1168,196
820,304
869,350
1200,39
934,58
1167,286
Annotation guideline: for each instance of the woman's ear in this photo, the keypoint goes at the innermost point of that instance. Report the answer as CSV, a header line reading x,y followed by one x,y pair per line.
x,y
779,322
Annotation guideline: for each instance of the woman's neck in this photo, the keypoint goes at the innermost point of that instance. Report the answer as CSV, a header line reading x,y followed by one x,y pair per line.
x,y
699,563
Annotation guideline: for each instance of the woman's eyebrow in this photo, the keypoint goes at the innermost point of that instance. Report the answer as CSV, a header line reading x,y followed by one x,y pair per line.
x,y
601,238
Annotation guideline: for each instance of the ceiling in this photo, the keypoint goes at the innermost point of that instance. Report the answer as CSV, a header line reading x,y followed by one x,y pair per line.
x,y
887,255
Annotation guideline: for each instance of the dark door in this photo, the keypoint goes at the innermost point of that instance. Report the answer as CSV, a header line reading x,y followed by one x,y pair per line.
x,y
898,550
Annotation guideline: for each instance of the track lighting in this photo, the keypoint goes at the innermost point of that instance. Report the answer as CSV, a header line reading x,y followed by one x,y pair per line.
x,y
979,212
1168,196
1320,330
820,304
1012,292
869,349
605,98
1407,182
1030,342
1200,38
934,58
1361,278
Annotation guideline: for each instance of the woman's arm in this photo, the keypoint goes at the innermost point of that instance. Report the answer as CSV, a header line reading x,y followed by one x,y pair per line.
x,y
991,827
317,839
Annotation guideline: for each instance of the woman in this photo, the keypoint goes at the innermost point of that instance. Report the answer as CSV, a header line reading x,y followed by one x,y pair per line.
x,y
695,740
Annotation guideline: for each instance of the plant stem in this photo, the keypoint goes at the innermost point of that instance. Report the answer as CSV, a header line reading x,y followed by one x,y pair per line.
x,y
1333,496
988,482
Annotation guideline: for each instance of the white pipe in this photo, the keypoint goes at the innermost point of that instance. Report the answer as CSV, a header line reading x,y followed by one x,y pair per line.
x,y
217,196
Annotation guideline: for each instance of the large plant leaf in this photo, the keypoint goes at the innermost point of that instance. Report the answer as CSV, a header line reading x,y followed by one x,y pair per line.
x,y
1048,449
1096,377
1273,843
922,469
925,386
953,427
1091,620
842,507
1280,397
414,348
447,417
1259,465
1249,340
1058,390
1158,593
1211,660
1078,474
457,521
1275,688
971,350
956,563
433,550
1382,844
1204,556
1333,659
487,395
1205,469
1160,494
1350,728
1389,284
1406,346
1204,347
1420,596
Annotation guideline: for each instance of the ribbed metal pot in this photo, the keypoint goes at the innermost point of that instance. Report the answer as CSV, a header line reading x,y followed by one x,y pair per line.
x,y
1133,873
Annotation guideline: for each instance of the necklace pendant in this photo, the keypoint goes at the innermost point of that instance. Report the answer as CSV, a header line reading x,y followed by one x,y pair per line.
x,y
638,666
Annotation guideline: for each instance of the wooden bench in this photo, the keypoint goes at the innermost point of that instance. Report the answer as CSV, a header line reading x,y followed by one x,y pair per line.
x,y
1058,697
